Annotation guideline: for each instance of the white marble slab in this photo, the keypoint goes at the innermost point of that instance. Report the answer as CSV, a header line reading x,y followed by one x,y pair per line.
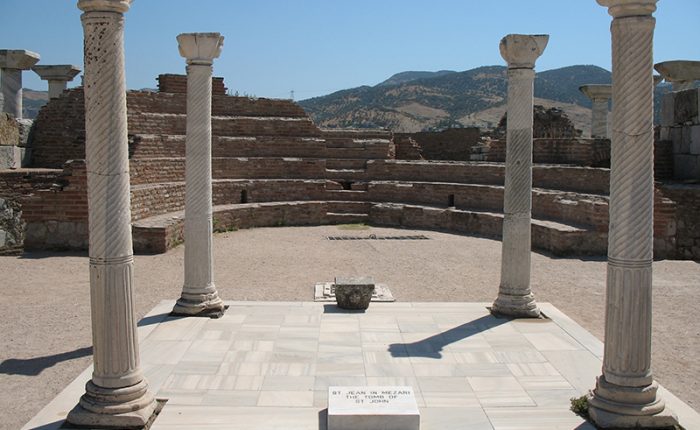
x,y
372,407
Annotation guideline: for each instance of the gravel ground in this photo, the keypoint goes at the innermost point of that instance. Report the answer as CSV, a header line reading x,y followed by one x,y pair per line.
x,y
45,326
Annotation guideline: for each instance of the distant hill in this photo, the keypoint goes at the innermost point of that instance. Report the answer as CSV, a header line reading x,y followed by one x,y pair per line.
x,y
32,102
404,77
418,101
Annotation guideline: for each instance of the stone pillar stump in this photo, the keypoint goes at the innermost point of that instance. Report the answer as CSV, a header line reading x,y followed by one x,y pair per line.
x,y
600,96
12,62
117,396
514,295
626,393
58,77
199,296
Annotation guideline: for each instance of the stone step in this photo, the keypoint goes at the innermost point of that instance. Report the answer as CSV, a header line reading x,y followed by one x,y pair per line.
x,y
349,207
165,123
346,164
173,145
346,174
346,218
159,233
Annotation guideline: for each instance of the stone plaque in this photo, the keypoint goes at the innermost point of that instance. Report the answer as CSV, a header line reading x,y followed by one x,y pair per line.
x,y
371,408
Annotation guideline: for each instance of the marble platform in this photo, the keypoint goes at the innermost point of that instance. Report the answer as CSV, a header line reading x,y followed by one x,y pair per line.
x,y
268,365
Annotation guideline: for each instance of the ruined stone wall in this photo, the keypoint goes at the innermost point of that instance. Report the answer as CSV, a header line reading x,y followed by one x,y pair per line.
x,y
14,135
686,220
170,83
56,215
59,132
450,144
552,123
14,186
680,127
576,151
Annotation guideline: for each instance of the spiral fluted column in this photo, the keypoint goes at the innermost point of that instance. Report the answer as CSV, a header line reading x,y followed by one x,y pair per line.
x,y
117,396
514,295
626,393
199,296
600,97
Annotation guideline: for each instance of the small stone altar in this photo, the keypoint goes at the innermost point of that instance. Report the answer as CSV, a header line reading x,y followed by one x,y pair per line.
x,y
325,292
369,408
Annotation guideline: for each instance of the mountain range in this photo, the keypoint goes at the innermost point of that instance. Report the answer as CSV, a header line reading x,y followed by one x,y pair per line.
x,y
420,101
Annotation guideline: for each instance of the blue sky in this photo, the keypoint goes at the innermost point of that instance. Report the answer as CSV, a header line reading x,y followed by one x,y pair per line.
x,y
315,47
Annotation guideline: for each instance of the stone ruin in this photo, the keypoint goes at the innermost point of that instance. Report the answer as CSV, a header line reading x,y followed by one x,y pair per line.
x,y
272,166
262,174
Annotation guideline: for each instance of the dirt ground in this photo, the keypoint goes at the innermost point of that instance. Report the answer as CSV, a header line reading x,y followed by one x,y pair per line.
x,y
45,339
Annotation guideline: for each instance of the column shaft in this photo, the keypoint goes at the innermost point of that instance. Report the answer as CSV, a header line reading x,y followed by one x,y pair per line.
x,y
12,92
199,295
514,295
631,204
198,204
599,123
117,395
626,394
56,88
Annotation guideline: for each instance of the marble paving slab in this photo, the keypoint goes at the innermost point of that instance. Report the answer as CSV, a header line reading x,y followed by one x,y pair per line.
x,y
268,365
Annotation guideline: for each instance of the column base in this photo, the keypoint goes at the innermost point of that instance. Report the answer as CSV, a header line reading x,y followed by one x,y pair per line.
x,y
618,407
517,306
114,408
199,305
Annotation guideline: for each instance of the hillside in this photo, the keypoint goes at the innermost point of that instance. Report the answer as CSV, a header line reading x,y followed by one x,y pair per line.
x,y
32,101
419,101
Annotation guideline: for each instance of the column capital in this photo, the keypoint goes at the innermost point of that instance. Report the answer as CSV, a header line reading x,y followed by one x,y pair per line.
x,y
597,91
18,59
679,71
58,72
119,6
522,50
627,8
200,48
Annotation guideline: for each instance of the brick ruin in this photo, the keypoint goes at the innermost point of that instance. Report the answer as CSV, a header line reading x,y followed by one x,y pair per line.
x,y
272,166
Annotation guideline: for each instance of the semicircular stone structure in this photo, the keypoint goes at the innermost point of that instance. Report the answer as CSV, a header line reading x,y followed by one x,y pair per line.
x,y
272,166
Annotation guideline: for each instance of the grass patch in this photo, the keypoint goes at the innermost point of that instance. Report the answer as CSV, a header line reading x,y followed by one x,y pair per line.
x,y
579,405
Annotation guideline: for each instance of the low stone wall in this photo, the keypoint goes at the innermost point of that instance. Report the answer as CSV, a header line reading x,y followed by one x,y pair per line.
x,y
159,237
565,178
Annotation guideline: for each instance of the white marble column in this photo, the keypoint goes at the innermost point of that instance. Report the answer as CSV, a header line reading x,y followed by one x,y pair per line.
x,y
681,74
514,296
12,62
58,77
600,96
199,296
626,393
117,396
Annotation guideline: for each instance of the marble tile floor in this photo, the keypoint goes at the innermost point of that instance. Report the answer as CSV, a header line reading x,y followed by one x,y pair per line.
x,y
268,365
